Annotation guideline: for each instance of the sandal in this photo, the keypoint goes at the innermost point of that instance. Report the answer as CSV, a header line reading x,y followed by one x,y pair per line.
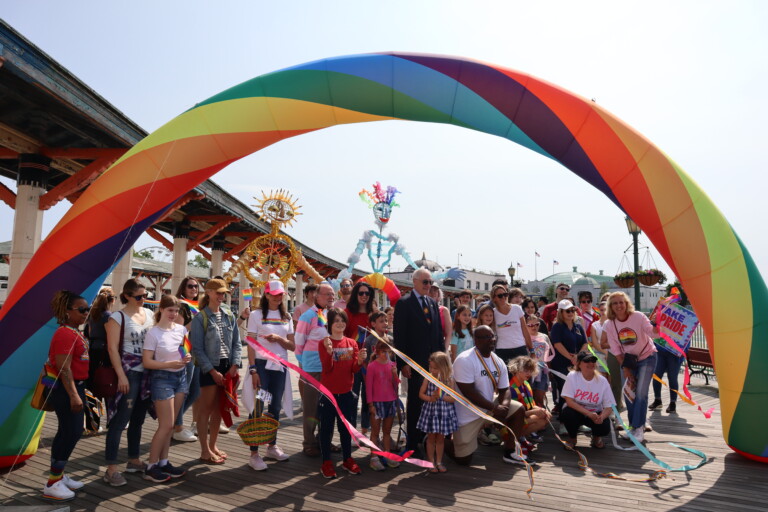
x,y
212,461
222,455
597,443
441,467
434,469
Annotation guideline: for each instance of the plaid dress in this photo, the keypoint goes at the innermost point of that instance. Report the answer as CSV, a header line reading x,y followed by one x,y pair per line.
x,y
437,417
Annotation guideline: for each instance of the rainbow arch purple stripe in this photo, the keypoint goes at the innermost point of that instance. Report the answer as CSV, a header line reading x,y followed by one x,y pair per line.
x,y
682,222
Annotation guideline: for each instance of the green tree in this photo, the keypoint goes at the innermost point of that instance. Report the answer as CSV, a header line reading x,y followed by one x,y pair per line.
x,y
199,261
550,293
603,289
144,253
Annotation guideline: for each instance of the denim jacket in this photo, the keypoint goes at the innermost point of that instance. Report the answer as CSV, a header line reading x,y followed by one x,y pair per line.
x,y
205,346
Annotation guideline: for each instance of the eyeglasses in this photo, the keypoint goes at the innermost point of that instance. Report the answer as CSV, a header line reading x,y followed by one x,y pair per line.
x,y
82,309
502,295
427,281
193,286
585,301
140,297
363,294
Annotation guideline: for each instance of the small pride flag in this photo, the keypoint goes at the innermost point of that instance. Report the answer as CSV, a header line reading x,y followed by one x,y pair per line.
x,y
596,310
192,305
185,348
247,294
321,320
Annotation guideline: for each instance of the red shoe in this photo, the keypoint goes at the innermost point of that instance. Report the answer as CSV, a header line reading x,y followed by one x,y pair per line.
x,y
327,470
351,466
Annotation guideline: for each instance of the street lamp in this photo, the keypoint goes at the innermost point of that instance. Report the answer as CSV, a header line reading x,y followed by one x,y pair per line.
x,y
511,271
634,230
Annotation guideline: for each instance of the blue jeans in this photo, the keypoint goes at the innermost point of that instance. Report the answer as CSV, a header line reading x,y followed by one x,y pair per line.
x,y
272,381
193,379
643,374
70,426
358,388
130,408
669,363
327,414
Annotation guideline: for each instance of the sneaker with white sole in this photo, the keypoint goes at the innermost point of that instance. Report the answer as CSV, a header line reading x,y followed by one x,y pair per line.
x,y
639,434
393,463
116,479
376,464
274,452
156,474
257,463
510,457
223,429
72,485
184,436
58,492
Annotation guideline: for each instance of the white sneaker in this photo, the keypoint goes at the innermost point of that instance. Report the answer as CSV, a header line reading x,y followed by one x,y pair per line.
x,y
274,452
639,434
58,492
376,464
223,429
256,462
72,485
184,436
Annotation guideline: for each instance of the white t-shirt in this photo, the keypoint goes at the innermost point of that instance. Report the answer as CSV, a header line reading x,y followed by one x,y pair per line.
x,y
274,324
166,343
508,330
133,338
467,369
594,395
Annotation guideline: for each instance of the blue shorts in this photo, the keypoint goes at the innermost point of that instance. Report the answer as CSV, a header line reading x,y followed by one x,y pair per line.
x,y
165,384
385,409
541,382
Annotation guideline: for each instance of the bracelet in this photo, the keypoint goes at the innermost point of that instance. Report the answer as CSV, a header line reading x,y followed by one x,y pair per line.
x,y
252,367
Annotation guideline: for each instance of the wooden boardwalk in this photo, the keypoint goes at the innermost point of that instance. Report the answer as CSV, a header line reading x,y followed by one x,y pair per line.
x,y
726,482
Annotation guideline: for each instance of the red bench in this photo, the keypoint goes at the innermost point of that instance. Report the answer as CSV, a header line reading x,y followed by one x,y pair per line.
x,y
699,361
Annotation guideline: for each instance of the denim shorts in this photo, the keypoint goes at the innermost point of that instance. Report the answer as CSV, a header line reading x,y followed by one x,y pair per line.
x,y
541,382
165,384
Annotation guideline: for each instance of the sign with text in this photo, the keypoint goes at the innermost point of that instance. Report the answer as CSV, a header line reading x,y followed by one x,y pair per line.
x,y
676,325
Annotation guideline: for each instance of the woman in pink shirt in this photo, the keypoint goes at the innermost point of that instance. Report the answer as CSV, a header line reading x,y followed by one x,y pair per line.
x,y
630,336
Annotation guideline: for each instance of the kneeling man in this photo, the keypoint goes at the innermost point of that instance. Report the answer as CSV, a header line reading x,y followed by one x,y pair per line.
x,y
480,374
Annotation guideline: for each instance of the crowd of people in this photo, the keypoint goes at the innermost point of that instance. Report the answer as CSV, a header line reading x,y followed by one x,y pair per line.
x,y
502,357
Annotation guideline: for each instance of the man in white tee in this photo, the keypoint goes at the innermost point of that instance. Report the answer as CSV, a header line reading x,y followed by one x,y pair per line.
x,y
479,375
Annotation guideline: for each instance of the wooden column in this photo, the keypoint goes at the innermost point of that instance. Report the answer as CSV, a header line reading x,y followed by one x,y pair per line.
x,y
27,218
299,279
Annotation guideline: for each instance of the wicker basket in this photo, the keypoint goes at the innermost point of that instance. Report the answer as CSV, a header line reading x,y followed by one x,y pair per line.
x,y
648,280
626,282
258,431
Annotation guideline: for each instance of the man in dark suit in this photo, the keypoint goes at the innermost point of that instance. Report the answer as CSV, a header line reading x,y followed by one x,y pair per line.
x,y
417,333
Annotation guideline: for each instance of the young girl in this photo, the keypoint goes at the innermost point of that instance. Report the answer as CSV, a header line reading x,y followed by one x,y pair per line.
x,y
340,359
166,356
485,317
438,414
462,331
544,354
381,382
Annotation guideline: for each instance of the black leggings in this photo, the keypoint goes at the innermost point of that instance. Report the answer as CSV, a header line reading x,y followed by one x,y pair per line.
x,y
70,423
572,419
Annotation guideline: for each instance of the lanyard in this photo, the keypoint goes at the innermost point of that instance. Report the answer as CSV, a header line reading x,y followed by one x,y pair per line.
x,y
487,370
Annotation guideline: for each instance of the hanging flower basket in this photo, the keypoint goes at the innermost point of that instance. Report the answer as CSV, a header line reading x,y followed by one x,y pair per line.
x,y
624,279
651,277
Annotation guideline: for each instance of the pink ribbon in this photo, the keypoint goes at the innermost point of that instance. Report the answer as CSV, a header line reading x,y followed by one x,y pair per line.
x,y
357,436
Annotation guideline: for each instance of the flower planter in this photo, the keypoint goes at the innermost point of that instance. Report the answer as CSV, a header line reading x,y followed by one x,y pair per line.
x,y
625,282
649,280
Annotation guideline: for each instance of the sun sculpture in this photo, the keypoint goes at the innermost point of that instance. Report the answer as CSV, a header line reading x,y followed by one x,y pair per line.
x,y
274,255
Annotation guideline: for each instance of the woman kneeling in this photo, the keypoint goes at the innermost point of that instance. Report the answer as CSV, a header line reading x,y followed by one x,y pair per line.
x,y
588,401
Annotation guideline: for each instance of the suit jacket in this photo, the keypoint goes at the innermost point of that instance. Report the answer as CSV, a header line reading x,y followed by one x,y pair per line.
x,y
413,334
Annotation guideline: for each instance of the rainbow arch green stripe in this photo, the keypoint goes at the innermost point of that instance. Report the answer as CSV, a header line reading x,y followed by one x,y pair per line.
x,y
682,222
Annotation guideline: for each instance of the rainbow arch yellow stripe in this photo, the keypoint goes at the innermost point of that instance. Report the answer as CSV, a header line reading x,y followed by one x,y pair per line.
x,y
681,221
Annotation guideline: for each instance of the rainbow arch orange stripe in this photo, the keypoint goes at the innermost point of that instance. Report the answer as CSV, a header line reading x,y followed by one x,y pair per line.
x,y
681,221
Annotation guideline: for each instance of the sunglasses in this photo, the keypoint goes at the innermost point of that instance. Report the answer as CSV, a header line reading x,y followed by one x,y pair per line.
x,y
570,311
193,286
82,309
502,295
586,301
140,297
346,286
563,289
427,281
363,294
533,325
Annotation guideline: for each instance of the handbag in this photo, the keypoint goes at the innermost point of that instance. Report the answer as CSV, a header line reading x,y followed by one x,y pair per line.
x,y
43,389
104,378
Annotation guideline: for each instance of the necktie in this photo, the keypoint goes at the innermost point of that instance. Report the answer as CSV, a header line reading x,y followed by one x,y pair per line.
x,y
426,309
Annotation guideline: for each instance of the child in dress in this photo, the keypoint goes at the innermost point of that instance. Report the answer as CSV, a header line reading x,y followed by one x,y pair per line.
x,y
462,332
438,414
381,382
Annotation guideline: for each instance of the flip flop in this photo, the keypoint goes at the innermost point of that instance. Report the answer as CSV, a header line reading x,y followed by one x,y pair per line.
x,y
212,461
434,470
222,455
441,467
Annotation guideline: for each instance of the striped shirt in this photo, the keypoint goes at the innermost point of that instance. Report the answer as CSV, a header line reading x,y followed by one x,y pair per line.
x,y
309,335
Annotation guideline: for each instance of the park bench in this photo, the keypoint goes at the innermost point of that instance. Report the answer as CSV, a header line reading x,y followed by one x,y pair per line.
x,y
699,361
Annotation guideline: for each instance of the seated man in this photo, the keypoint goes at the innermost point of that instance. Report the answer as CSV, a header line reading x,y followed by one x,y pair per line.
x,y
479,374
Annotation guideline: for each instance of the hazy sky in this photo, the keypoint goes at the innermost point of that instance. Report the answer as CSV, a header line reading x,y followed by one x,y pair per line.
x,y
691,76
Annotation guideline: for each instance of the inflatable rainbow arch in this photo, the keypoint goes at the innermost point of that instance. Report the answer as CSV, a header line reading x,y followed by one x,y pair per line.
x,y
681,221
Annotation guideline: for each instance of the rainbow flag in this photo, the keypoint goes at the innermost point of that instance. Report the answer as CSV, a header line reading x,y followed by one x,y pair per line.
x,y
248,294
596,310
186,347
361,334
321,320
192,305
153,302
